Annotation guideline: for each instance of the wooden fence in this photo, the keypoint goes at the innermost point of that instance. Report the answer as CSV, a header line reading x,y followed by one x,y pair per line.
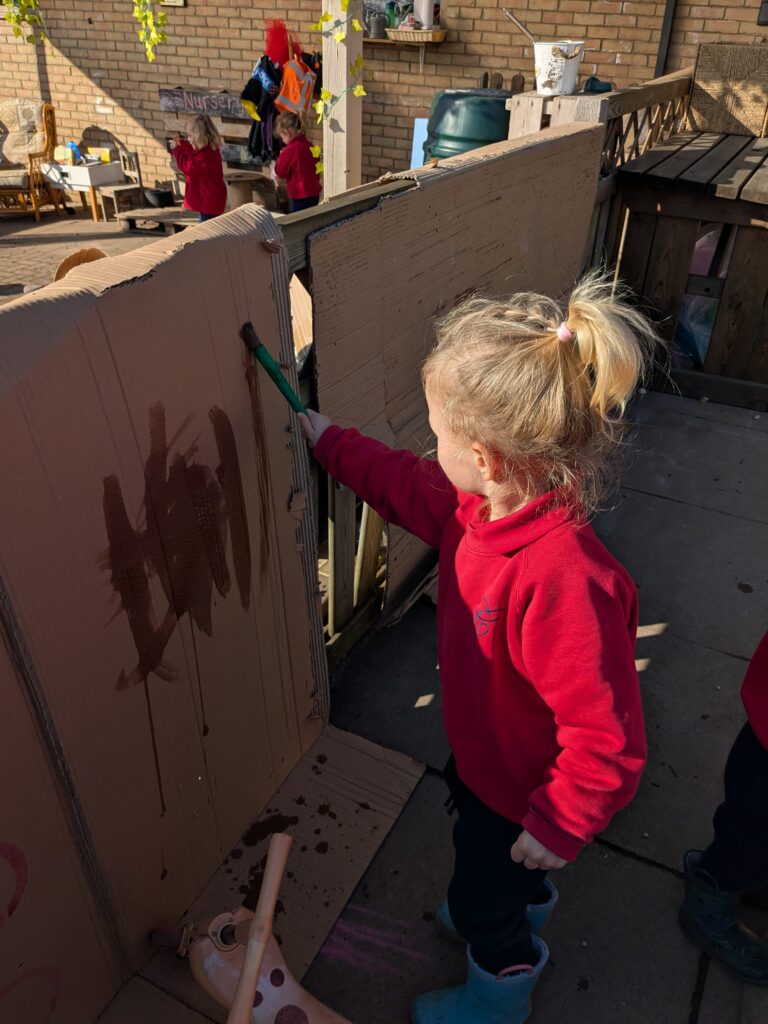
x,y
636,119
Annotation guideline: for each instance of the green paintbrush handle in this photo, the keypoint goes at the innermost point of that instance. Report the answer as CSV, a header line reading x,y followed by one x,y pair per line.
x,y
251,339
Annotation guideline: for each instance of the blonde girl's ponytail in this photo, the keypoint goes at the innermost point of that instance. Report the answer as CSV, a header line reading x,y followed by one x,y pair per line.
x,y
613,341
544,384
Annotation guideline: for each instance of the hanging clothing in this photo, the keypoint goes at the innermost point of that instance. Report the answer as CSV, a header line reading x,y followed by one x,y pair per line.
x,y
258,99
314,62
296,91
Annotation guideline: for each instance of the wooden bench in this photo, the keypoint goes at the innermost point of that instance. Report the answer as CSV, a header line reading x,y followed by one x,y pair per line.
x,y
167,220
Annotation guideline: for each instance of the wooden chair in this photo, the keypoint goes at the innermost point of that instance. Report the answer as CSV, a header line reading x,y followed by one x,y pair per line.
x,y
27,142
132,187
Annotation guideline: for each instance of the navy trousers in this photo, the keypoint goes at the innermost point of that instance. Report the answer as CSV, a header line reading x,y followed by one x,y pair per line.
x,y
489,892
738,856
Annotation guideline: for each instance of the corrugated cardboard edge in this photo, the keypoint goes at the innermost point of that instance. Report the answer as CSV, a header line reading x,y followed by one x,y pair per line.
x,y
345,785
95,279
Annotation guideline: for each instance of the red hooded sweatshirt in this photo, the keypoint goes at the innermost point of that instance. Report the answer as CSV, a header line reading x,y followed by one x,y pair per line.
x,y
296,166
754,692
536,636
206,191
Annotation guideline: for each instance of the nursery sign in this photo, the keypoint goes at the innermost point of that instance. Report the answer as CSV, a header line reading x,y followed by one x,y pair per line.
x,y
215,104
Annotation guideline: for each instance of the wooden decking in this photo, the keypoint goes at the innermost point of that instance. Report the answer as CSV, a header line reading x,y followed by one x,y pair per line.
x,y
726,166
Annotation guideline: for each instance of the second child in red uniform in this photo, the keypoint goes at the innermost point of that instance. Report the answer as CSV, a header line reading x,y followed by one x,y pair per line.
x,y
199,160
536,620
296,165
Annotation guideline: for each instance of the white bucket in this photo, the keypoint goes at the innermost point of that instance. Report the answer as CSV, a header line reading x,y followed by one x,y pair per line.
x,y
557,66
424,11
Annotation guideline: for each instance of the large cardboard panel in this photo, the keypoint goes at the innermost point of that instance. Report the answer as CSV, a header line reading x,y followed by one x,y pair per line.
x,y
56,961
506,218
158,549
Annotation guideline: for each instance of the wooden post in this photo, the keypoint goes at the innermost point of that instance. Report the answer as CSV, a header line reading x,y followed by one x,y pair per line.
x,y
343,128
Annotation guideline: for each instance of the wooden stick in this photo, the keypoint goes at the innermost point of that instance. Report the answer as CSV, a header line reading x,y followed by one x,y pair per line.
x,y
260,931
516,21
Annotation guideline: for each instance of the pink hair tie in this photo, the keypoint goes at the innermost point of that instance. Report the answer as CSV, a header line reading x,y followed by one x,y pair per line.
x,y
564,332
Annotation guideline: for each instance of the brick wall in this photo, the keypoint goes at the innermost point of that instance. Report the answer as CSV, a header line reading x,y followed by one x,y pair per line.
x,y
622,45
97,76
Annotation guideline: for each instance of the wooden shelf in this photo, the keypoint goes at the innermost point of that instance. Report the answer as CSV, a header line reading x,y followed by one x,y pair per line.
x,y
398,42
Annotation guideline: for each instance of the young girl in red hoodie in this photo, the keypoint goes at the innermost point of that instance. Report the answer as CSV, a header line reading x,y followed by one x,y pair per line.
x,y
199,160
296,165
536,620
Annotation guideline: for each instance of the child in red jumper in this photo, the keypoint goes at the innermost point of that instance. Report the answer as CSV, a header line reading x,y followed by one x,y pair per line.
x,y
296,165
199,160
536,620
736,861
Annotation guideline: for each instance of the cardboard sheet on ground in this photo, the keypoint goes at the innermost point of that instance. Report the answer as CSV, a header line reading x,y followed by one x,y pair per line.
x,y
338,803
506,218
159,597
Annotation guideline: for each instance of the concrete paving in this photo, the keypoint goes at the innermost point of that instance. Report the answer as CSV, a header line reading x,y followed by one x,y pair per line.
x,y
30,252
692,526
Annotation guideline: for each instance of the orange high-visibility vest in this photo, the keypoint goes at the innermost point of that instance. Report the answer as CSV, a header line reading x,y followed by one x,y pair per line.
x,y
297,88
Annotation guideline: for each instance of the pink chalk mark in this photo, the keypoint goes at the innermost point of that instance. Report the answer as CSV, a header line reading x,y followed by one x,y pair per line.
x,y
51,974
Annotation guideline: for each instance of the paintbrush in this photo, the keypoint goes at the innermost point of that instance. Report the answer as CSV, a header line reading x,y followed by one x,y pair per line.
x,y
516,21
262,354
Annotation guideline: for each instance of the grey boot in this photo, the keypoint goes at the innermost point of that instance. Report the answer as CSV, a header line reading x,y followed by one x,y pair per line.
x,y
710,919
537,914
483,998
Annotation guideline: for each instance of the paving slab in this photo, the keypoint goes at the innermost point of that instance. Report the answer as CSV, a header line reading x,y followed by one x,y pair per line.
x,y
139,1002
754,1005
617,953
702,461
388,690
702,572
30,252
693,714
384,948
721,998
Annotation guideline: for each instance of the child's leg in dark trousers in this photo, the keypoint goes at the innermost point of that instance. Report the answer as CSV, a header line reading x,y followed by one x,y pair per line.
x,y
738,855
489,892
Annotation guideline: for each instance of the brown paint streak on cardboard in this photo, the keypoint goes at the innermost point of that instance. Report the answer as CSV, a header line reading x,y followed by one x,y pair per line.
x,y
228,474
183,543
262,464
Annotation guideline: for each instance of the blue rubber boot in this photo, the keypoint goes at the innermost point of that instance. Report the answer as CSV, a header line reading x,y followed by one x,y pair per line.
x,y
710,919
483,998
537,914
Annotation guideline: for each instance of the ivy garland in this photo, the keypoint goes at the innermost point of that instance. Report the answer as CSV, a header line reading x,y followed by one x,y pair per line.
x,y
26,20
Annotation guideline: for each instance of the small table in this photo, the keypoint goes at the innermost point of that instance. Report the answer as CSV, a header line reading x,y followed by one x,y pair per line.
x,y
84,178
